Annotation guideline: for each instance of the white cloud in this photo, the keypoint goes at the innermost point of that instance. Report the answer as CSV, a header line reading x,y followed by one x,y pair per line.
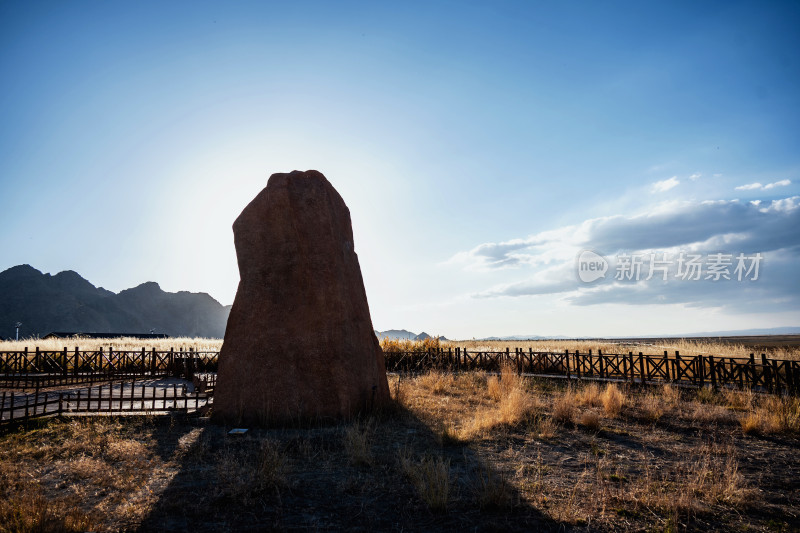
x,y
782,183
546,261
760,187
665,185
696,176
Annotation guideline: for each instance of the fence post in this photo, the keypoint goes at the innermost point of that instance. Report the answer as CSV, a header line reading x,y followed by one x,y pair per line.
x,y
36,360
713,372
600,365
700,368
566,362
76,364
776,376
590,364
642,372
625,365
65,358
766,369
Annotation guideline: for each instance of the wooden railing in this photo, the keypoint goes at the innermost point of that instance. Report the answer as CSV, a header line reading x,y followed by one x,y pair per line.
x,y
44,368
771,375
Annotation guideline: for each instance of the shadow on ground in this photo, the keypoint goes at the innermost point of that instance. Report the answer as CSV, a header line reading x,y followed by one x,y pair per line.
x,y
383,473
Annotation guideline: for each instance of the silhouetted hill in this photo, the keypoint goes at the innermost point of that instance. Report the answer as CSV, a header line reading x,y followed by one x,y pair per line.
x,y
68,302
403,335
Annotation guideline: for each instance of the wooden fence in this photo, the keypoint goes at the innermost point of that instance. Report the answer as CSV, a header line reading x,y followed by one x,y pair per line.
x,y
772,375
40,368
71,369
131,397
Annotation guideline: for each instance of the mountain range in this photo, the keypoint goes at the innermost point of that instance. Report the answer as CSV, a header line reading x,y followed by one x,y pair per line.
x,y
403,335
67,302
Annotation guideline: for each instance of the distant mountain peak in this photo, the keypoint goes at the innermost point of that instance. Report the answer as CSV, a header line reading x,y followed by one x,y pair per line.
x,y
68,302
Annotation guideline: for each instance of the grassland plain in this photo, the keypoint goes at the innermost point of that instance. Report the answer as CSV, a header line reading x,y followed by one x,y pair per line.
x,y
773,347
455,451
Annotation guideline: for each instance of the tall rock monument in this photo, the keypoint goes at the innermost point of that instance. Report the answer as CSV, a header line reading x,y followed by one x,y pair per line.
x,y
299,343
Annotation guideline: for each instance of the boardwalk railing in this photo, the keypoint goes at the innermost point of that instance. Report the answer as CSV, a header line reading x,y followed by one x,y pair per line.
x,y
108,399
772,375
43,368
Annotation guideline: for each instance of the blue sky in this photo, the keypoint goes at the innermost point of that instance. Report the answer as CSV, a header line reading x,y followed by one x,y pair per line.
x,y
480,147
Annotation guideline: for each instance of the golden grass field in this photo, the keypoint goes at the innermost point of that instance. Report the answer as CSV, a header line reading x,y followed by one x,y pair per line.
x,y
453,452
736,348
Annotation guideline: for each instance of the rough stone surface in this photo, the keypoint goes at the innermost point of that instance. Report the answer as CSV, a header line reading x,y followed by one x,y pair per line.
x,y
299,343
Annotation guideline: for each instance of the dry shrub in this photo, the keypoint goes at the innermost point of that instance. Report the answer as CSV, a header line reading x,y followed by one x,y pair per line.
x,y
564,407
590,420
774,414
514,404
493,388
406,345
670,395
448,435
709,414
739,400
245,473
270,467
590,395
751,423
692,486
492,490
32,512
400,393
123,450
544,428
357,443
784,414
652,407
613,400
436,381
508,381
706,395
431,477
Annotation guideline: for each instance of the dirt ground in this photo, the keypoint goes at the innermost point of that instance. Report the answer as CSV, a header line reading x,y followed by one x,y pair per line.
x,y
454,452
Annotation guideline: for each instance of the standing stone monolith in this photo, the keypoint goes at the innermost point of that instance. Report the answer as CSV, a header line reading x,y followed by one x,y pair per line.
x,y
299,343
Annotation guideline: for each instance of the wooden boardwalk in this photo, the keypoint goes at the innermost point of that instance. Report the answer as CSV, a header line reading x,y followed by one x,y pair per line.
x,y
143,396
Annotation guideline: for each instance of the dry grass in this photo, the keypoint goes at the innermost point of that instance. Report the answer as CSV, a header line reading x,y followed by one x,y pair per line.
x,y
431,478
481,451
652,406
685,347
671,396
613,400
436,381
564,407
122,344
590,420
771,415
357,443
589,395
512,404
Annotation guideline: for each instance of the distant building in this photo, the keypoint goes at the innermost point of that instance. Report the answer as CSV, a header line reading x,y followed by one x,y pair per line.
x,y
73,334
